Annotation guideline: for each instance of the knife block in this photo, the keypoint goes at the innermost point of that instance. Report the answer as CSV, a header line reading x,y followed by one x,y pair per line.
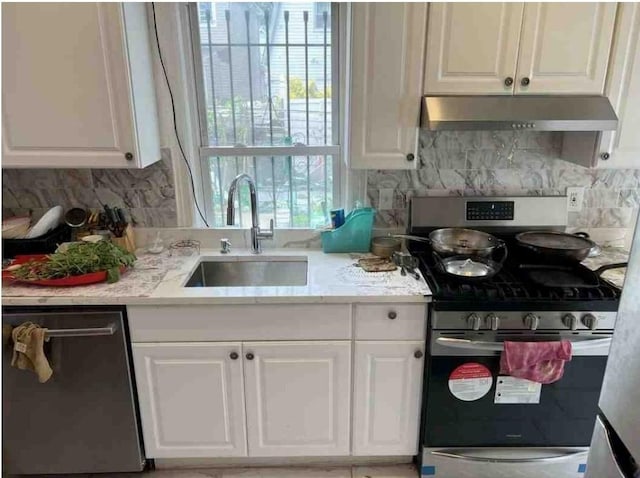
x,y
127,241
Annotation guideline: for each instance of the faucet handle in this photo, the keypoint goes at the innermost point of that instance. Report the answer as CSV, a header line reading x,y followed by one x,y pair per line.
x,y
266,234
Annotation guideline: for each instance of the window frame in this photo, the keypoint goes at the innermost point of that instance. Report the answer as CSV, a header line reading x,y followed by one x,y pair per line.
x,y
335,150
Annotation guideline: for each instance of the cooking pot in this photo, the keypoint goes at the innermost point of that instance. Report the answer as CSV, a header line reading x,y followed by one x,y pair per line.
x,y
459,241
385,246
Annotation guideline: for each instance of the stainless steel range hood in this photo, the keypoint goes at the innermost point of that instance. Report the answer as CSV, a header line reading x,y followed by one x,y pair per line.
x,y
541,113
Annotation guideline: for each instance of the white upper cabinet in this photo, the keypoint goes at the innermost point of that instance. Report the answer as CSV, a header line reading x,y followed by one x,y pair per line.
x,y
298,398
77,86
472,48
564,48
191,399
516,48
387,393
622,147
387,53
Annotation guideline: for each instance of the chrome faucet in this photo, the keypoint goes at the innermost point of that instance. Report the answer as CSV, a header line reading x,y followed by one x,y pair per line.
x,y
256,234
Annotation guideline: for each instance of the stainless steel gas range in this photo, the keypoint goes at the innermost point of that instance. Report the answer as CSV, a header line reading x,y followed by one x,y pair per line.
x,y
477,423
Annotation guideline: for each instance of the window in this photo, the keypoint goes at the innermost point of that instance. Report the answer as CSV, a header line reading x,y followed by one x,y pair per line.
x,y
267,87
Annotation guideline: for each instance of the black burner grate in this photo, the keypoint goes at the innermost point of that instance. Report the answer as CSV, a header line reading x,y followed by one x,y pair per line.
x,y
510,284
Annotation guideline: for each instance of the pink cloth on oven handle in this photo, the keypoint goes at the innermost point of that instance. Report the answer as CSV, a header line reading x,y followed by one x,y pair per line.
x,y
541,362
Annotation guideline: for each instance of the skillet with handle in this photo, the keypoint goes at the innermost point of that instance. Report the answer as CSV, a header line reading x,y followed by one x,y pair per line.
x,y
557,245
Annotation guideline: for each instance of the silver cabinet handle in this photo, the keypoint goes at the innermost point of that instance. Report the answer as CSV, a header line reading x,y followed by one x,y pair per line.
x,y
499,347
87,332
468,455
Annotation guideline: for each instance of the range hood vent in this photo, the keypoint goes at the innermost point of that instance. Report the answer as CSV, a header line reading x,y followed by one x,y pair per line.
x,y
540,113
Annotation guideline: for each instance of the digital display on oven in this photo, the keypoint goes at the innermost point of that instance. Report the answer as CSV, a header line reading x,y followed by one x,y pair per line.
x,y
490,210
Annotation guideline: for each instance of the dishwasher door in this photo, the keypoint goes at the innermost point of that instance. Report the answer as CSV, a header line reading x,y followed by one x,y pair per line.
x,y
84,419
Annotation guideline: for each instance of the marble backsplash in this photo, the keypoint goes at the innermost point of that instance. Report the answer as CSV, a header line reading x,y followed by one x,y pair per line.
x,y
147,194
484,163
452,163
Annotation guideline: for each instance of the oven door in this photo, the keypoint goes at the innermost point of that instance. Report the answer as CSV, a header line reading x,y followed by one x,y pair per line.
x,y
561,414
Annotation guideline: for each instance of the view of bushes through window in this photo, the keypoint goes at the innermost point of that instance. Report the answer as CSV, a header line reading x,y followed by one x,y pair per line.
x,y
267,82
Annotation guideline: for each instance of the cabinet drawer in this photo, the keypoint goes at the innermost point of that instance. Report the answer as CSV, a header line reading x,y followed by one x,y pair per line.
x,y
239,322
390,321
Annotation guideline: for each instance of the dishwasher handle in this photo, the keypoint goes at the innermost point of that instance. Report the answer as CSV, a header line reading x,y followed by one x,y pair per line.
x,y
83,332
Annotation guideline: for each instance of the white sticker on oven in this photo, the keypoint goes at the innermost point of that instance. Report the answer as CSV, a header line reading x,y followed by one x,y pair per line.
x,y
517,390
470,381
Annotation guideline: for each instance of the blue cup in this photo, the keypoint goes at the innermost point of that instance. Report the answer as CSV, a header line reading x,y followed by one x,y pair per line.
x,y
337,218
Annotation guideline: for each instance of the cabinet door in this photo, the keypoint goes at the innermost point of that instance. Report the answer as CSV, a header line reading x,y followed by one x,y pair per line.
x,y
565,47
298,399
387,397
623,90
191,399
472,48
387,52
67,86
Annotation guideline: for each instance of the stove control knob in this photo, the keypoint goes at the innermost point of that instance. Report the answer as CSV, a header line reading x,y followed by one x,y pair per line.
x,y
531,321
590,321
493,321
474,321
570,321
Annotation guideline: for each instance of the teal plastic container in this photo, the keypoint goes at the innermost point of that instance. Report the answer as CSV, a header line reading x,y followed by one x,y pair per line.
x,y
354,235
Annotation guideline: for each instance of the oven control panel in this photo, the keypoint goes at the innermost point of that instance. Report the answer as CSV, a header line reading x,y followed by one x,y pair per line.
x,y
490,210
532,320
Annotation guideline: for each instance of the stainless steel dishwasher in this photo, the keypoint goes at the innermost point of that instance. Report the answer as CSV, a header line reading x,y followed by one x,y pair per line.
x,y
85,418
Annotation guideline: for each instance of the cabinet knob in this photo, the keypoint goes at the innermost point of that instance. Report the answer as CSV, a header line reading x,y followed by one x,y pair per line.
x,y
233,356
508,81
418,354
128,156
249,356
605,156
525,81
392,314
410,157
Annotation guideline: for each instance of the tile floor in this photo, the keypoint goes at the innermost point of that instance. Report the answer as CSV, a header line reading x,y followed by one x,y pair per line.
x,y
383,471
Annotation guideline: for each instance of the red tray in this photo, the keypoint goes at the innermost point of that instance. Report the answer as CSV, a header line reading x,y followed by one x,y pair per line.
x,y
84,279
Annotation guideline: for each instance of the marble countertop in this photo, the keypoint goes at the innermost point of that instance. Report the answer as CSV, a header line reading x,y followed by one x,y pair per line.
x,y
159,279
332,278
609,255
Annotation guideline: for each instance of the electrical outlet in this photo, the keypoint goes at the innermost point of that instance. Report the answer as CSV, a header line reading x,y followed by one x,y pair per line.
x,y
385,199
575,198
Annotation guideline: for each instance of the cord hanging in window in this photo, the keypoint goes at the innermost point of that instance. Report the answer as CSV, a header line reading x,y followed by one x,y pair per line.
x,y
173,110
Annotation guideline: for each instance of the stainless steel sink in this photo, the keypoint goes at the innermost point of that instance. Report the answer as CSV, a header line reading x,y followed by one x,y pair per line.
x,y
250,272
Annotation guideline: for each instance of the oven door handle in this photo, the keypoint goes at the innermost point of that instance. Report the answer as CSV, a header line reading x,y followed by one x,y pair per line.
x,y
484,457
577,345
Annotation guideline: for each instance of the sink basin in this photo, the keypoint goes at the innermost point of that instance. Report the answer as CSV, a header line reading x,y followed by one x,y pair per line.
x,y
250,272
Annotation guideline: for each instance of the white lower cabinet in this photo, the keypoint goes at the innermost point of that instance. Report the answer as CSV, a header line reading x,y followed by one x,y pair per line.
x,y
271,396
298,398
387,397
191,399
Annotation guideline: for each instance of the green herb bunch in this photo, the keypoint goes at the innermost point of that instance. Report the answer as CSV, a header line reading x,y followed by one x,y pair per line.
x,y
78,259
